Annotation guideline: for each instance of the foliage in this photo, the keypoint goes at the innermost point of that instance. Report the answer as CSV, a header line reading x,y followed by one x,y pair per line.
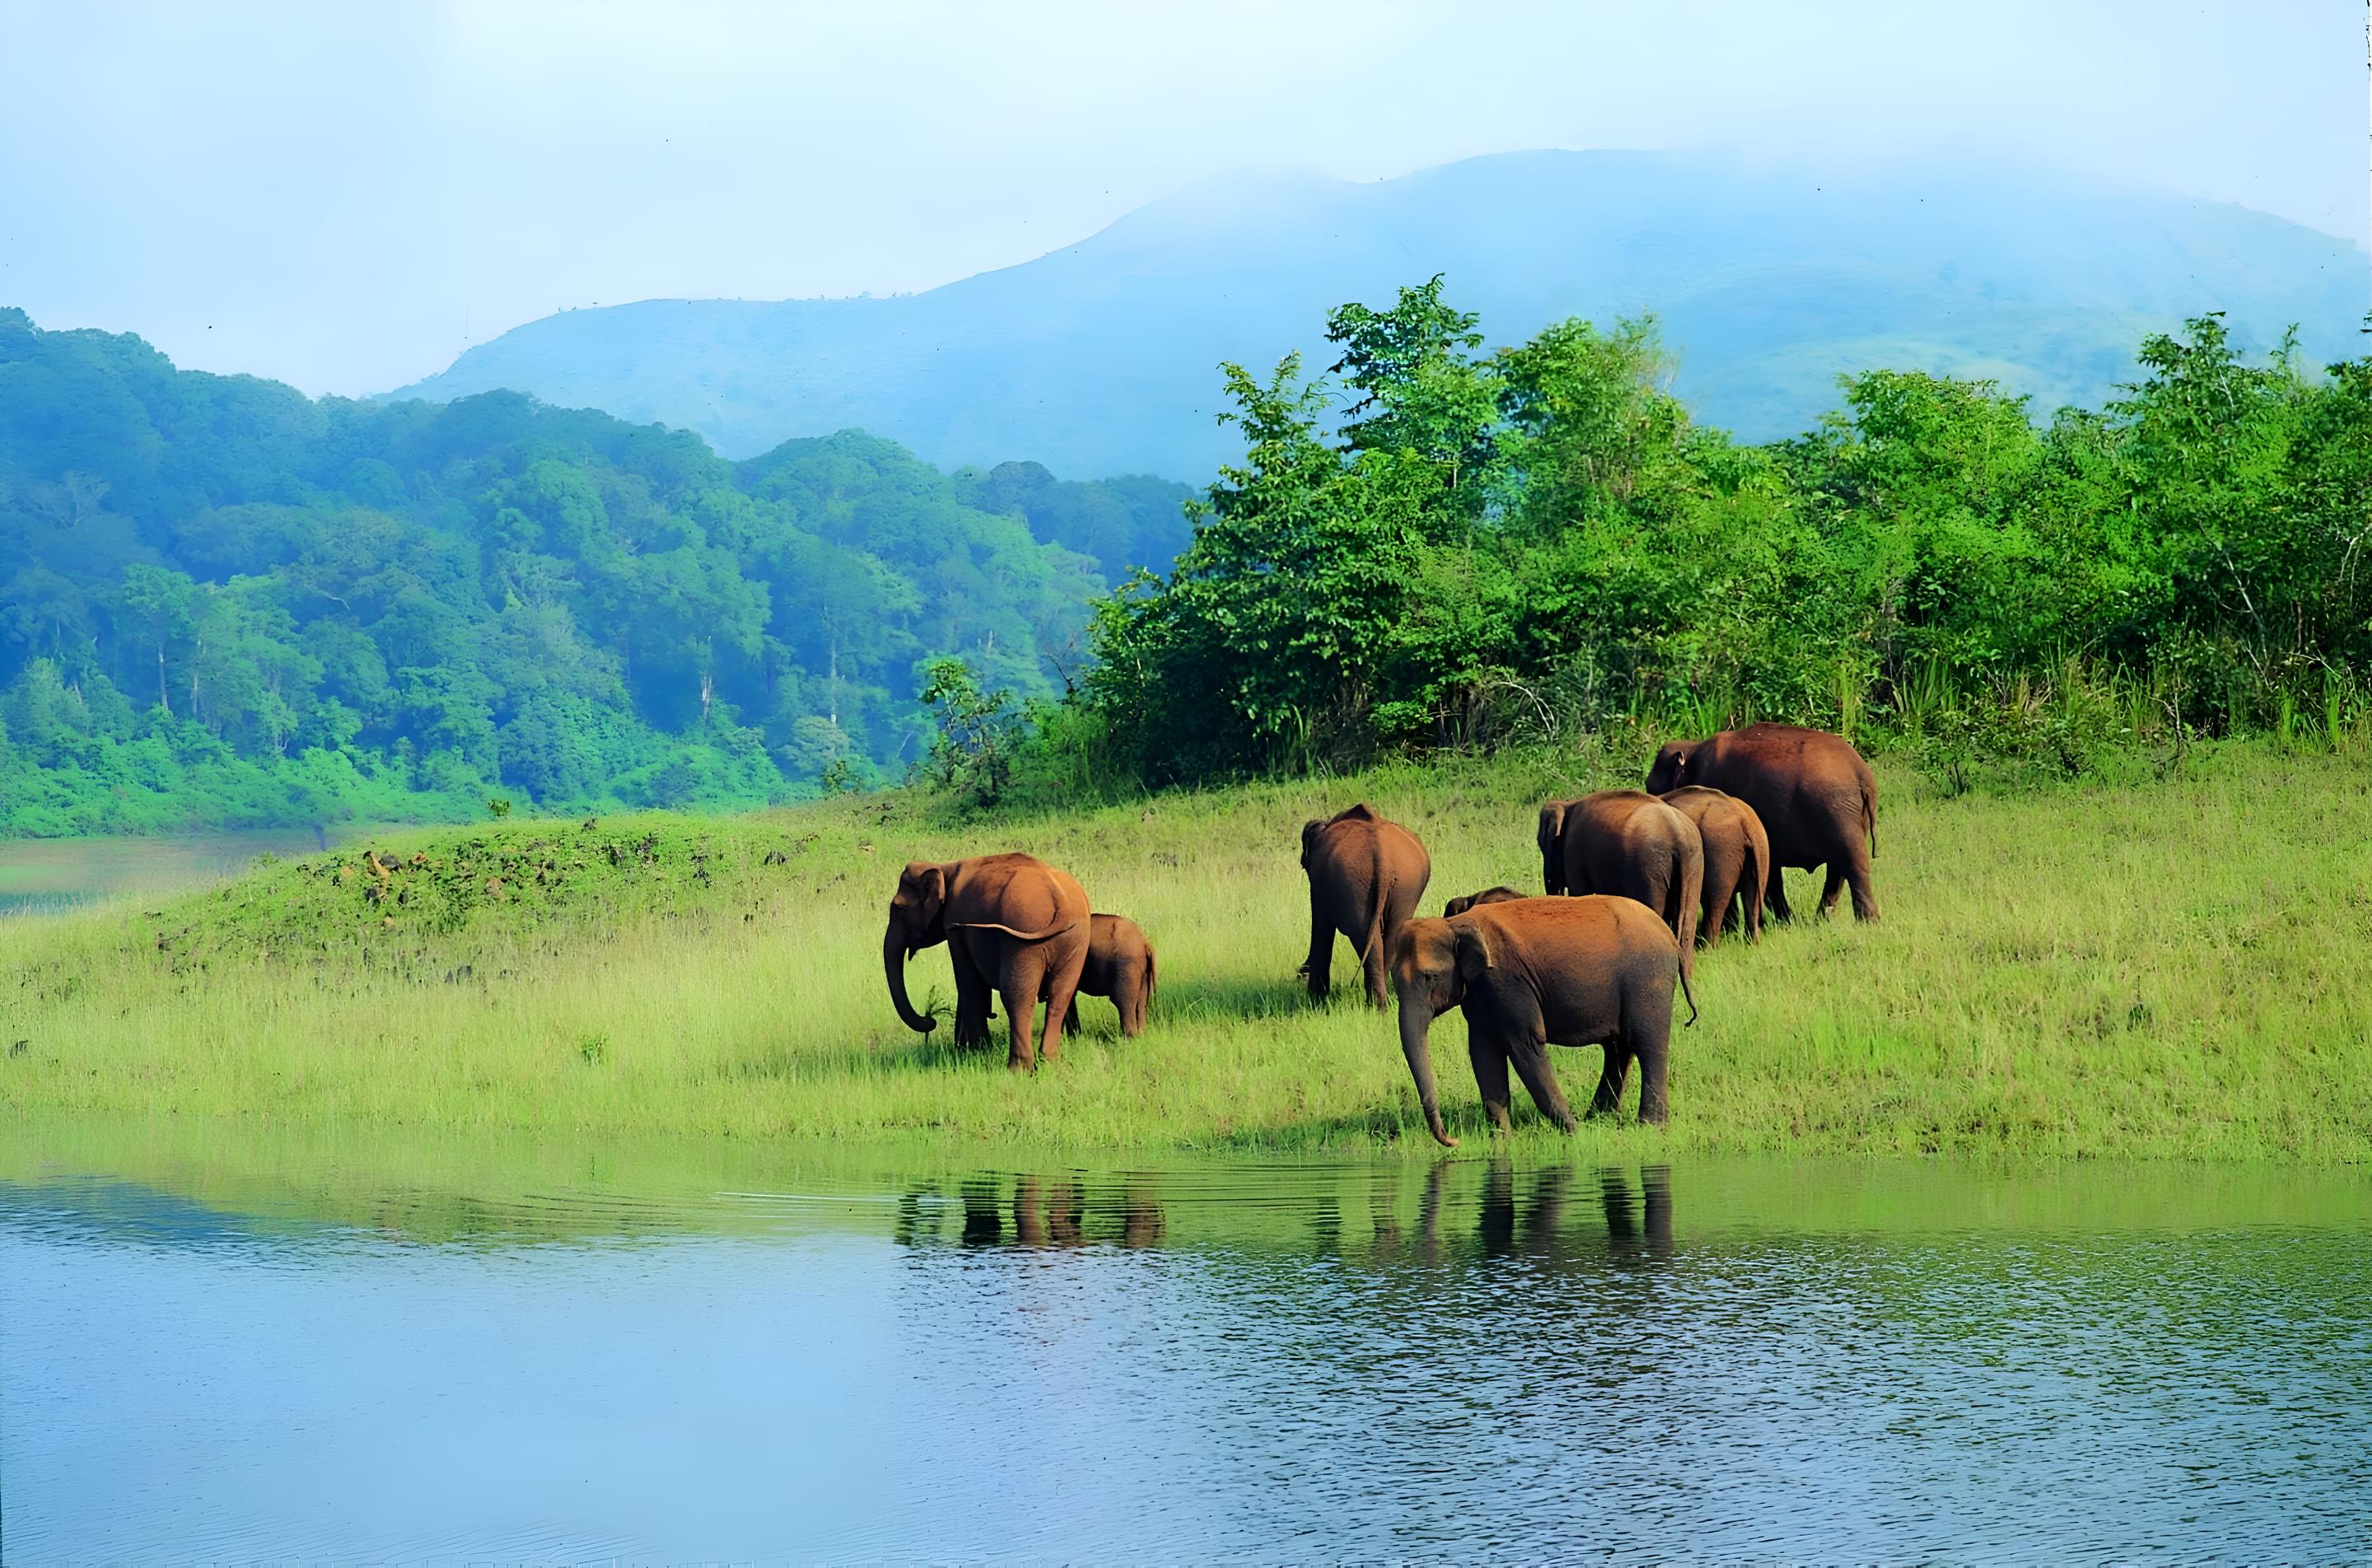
x,y
1543,544
222,604
977,732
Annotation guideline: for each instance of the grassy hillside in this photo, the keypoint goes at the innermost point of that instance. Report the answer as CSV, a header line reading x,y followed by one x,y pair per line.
x,y
1771,282
2167,969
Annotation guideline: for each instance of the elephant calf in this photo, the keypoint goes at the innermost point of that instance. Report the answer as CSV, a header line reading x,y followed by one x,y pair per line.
x,y
1536,972
1465,901
1365,875
1120,966
1736,857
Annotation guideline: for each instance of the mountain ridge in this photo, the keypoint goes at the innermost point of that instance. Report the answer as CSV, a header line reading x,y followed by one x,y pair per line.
x,y
1099,356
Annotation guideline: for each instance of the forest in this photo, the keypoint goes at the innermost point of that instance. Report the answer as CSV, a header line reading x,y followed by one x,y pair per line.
x,y
227,605
1435,547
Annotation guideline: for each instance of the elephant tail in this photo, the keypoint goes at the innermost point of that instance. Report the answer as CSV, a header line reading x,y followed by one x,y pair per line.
x,y
1691,996
1149,977
1375,937
1869,812
1019,936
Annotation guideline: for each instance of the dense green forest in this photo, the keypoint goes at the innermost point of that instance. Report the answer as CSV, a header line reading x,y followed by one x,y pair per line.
x,y
1539,543
226,604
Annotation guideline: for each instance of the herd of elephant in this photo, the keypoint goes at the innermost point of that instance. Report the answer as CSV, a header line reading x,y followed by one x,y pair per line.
x,y
1633,880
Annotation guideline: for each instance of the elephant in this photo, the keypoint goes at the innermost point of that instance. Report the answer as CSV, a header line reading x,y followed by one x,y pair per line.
x,y
1736,858
1119,965
1365,875
1814,793
1594,969
1465,901
1622,841
1011,922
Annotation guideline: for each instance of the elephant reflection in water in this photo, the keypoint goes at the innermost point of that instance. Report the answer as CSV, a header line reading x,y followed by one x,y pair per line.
x,y
1059,1213
1638,1223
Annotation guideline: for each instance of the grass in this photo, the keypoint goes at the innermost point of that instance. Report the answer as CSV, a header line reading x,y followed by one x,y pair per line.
x,y
2170,970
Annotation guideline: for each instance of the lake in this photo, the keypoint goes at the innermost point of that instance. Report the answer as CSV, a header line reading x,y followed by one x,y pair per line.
x,y
235,1346
42,876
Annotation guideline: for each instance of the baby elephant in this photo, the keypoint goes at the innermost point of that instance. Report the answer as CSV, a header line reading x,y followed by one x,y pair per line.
x,y
1465,901
1597,970
1119,965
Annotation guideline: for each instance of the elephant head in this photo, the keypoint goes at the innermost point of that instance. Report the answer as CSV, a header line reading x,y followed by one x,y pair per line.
x,y
1551,837
1465,901
1432,965
918,918
1672,769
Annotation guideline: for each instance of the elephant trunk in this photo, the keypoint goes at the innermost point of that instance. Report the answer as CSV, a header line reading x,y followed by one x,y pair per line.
x,y
893,965
1416,1022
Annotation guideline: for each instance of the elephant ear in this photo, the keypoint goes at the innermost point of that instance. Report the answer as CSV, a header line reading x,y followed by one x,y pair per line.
x,y
930,897
1473,952
1308,837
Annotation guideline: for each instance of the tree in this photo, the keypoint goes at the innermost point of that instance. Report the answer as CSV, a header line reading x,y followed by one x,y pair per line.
x,y
158,599
1419,390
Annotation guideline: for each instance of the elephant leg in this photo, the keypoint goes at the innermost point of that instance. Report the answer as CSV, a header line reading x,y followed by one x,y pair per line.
x,y
1652,1043
1857,877
1071,1017
1489,1059
1062,987
1833,888
1023,976
1609,1097
1373,963
1129,997
971,993
1532,1055
1322,951
1774,895
1720,887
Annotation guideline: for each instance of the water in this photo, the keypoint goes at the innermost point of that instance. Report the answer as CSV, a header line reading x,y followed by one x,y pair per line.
x,y
281,1352
44,876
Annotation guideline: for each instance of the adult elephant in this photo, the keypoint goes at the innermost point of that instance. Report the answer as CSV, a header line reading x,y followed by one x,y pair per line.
x,y
1011,922
1625,841
1814,793
1365,875
1736,857
1537,972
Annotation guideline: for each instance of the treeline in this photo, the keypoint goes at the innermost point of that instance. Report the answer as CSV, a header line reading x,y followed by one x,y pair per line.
x,y
222,603
1442,546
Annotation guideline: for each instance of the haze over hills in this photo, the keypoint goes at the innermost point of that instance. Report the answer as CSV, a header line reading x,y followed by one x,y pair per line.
x,y
1099,358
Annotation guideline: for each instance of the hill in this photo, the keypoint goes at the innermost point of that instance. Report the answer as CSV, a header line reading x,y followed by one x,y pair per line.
x,y
1099,357
225,604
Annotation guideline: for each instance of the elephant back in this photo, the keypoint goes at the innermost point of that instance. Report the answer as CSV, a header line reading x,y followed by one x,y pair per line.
x,y
1015,893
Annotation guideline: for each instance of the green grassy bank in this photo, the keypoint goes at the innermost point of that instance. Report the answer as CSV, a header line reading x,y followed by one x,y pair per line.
x,y
2168,969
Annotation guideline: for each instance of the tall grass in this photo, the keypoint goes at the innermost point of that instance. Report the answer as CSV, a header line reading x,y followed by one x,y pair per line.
x,y
2167,968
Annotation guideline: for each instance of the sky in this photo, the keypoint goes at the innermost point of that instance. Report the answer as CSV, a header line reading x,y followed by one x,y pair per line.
x,y
347,196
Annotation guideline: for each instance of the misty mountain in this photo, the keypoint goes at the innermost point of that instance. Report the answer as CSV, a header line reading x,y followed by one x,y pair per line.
x,y
1099,358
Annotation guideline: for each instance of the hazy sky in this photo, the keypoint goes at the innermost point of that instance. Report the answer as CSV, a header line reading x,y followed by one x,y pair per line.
x,y
346,195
